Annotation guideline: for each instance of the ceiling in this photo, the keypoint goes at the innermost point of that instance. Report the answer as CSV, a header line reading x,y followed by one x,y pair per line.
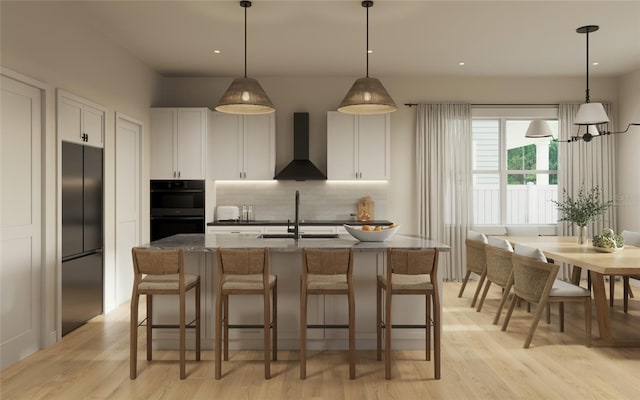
x,y
408,38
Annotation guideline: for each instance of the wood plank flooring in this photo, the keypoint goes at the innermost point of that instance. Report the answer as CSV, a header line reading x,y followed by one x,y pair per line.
x,y
478,362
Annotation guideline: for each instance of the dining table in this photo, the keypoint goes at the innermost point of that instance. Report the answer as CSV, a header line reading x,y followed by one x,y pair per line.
x,y
566,249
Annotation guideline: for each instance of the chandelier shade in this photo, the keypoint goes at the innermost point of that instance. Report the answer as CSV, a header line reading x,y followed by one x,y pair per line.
x,y
245,95
367,95
538,128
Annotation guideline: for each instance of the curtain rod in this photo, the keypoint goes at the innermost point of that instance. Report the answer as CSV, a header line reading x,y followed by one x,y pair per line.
x,y
498,105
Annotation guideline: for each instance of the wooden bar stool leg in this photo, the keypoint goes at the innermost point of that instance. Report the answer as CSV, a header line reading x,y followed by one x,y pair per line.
x,y
352,334
197,323
267,332
182,335
225,324
275,321
218,336
149,326
378,321
303,331
133,337
428,327
387,333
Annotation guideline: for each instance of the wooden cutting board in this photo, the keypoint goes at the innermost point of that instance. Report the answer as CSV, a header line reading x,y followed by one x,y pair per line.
x,y
366,210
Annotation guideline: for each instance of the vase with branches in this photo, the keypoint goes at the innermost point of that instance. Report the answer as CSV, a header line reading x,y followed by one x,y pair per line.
x,y
583,208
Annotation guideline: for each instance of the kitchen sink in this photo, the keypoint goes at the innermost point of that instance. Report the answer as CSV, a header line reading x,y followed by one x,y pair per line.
x,y
302,236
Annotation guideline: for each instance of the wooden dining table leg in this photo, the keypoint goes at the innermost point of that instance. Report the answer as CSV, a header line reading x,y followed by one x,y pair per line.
x,y
603,315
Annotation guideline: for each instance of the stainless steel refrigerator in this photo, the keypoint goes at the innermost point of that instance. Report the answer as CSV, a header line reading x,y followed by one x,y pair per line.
x,y
82,237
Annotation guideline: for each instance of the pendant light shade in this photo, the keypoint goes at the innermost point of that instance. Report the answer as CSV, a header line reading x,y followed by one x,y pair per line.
x,y
538,128
367,95
245,95
590,113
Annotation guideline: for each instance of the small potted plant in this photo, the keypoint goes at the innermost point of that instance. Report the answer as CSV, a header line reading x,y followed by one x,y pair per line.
x,y
585,208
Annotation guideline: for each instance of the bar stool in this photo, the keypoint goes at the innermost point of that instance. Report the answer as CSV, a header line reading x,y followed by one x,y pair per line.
x,y
245,272
164,270
327,272
409,272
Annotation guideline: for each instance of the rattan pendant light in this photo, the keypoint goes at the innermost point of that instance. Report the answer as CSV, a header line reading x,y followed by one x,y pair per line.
x,y
367,95
245,95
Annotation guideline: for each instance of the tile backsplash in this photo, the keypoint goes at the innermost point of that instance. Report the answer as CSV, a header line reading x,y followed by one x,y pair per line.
x,y
274,200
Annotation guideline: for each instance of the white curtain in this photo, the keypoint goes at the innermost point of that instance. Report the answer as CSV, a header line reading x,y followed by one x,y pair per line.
x,y
586,164
443,154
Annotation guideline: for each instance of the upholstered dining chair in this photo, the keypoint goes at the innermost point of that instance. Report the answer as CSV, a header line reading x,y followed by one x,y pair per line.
x,y
534,280
327,272
161,272
245,272
409,272
476,262
499,271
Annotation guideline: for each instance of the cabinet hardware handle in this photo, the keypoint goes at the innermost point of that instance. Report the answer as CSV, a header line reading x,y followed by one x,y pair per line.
x,y
174,174
178,174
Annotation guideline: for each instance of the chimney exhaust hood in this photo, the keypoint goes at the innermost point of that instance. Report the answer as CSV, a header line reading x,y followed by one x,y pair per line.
x,y
300,169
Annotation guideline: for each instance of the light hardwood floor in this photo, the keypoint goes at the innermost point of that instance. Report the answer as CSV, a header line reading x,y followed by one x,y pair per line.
x,y
478,362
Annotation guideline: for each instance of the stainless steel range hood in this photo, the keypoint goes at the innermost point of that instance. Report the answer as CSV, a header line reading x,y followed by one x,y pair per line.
x,y
300,169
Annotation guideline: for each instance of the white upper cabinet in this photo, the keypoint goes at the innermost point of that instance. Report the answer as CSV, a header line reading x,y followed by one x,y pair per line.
x,y
80,120
178,143
242,147
358,146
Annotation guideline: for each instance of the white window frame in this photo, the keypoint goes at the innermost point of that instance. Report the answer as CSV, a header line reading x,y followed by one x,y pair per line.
x,y
524,112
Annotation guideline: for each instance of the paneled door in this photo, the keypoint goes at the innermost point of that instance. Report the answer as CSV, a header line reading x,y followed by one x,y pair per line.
x,y
128,192
20,218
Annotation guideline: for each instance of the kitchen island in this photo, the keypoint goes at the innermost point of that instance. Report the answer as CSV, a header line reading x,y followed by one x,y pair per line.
x,y
286,260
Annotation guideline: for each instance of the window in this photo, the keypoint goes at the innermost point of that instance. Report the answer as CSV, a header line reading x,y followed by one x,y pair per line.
x,y
514,177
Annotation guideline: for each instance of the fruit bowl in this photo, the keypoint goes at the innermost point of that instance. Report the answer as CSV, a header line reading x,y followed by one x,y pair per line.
x,y
607,249
371,236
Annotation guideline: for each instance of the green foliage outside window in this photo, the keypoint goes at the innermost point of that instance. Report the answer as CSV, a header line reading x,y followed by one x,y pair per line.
x,y
521,158
553,162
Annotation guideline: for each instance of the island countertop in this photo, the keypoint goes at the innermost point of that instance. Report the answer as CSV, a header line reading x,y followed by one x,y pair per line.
x,y
198,242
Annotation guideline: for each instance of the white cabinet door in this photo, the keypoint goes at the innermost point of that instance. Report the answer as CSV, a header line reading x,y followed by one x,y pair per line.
x,y
242,147
164,124
358,146
70,120
341,146
191,143
259,147
178,143
225,147
80,121
373,147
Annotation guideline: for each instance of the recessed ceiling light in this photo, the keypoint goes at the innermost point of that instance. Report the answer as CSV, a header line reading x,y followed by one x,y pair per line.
x,y
461,63
595,63
216,51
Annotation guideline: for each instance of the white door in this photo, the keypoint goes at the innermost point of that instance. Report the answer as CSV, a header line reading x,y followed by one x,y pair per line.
x,y
128,185
20,218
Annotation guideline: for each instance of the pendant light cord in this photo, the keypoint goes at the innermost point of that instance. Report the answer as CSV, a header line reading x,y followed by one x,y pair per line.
x,y
367,41
245,42
587,90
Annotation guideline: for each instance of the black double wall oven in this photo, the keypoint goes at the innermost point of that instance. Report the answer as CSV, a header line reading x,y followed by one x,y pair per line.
x,y
177,206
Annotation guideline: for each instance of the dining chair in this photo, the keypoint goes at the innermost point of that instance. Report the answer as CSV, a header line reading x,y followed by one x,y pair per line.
x,y
327,272
409,272
245,272
534,280
499,271
161,272
476,262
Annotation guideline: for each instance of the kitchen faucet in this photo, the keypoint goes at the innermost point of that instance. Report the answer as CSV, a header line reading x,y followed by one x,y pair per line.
x,y
296,224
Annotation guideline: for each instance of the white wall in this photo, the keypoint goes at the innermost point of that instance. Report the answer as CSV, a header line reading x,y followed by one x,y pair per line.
x,y
54,47
317,95
628,149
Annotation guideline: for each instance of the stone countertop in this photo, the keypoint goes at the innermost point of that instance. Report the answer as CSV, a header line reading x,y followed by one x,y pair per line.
x,y
208,242
302,223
